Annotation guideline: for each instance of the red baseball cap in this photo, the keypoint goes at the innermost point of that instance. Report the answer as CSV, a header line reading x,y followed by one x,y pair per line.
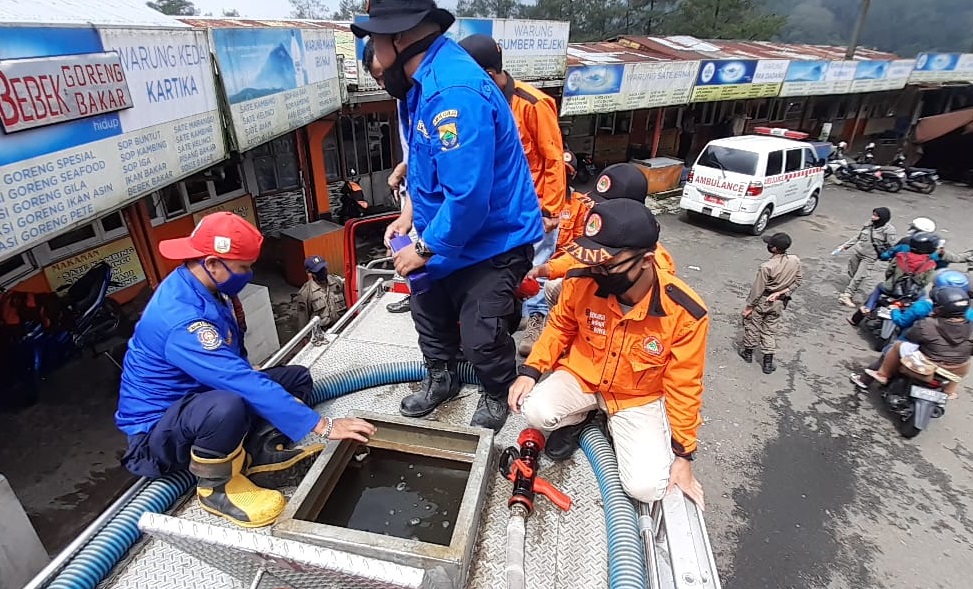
x,y
224,235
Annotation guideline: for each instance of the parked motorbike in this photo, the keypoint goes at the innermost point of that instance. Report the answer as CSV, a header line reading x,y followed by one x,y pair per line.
x,y
916,400
864,177
837,164
891,178
586,168
87,317
923,180
353,203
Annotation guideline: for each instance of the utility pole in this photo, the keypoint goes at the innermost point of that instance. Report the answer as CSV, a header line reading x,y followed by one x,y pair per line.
x,y
856,32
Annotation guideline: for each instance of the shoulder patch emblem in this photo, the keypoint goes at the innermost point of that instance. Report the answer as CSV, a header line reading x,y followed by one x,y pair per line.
x,y
448,135
653,346
446,114
207,335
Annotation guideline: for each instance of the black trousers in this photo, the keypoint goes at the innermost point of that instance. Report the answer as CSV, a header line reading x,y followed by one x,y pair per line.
x,y
472,306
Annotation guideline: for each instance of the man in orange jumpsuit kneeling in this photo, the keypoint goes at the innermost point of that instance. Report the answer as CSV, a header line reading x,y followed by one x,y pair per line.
x,y
630,340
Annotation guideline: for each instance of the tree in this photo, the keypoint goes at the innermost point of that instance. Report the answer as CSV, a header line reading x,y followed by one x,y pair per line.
x,y
489,8
309,9
347,9
174,7
232,13
726,19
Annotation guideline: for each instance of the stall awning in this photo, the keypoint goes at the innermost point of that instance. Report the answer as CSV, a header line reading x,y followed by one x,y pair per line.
x,y
929,128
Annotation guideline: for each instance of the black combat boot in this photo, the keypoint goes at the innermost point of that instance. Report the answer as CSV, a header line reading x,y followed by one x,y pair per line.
x,y
440,385
491,412
769,365
400,306
273,461
746,354
856,318
562,442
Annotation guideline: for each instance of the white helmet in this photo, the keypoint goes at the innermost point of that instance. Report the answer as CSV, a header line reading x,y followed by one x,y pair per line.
x,y
923,224
842,145
870,146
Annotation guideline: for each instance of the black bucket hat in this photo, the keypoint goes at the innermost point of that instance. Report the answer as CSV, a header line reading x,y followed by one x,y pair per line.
x,y
391,17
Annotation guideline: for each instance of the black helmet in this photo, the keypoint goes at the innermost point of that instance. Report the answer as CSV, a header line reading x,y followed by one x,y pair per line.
x,y
923,243
951,301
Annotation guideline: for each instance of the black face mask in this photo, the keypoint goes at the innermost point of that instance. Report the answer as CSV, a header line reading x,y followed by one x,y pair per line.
x,y
616,283
397,84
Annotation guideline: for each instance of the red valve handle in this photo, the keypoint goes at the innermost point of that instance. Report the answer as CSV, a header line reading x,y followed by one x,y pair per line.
x,y
556,497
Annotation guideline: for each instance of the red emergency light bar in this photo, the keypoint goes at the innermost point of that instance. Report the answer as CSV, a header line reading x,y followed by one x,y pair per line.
x,y
780,132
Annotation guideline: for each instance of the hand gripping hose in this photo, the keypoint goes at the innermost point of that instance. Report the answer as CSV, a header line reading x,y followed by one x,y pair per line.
x,y
626,557
108,546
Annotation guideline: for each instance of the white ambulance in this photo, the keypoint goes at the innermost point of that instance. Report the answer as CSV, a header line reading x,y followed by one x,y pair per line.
x,y
749,179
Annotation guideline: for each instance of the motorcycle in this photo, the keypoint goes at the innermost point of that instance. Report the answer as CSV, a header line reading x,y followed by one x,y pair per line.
x,y
353,203
878,323
916,399
889,178
586,168
864,177
837,166
922,180
87,317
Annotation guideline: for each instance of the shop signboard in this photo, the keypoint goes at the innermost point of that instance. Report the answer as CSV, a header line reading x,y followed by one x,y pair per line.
x,y
242,206
276,79
126,269
82,137
815,78
532,49
618,87
942,67
880,75
737,79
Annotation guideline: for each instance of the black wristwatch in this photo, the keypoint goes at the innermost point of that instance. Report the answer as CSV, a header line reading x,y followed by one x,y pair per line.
x,y
423,250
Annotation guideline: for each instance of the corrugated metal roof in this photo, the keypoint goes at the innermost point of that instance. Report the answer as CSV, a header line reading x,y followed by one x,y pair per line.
x,y
204,22
104,13
685,47
606,52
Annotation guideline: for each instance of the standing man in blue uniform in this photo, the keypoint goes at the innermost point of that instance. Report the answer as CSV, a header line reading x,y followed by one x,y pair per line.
x,y
189,397
473,199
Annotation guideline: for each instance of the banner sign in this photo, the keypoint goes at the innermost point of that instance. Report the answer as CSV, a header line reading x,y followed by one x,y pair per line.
x,y
877,75
72,170
943,67
532,49
50,90
814,78
276,79
735,79
617,87
242,206
126,269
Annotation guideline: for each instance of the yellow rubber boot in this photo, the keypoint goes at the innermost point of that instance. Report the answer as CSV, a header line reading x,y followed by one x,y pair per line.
x,y
224,491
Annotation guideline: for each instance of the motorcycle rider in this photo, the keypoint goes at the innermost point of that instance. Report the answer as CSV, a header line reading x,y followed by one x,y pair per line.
x,y
189,397
909,272
945,339
924,224
904,319
872,240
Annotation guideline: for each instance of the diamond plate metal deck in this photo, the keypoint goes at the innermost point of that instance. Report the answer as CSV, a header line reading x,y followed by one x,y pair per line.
x,y
564,550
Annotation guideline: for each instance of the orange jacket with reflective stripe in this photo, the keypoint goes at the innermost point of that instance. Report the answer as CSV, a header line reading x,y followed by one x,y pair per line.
x,y
562,263
536,115
657,349
573,216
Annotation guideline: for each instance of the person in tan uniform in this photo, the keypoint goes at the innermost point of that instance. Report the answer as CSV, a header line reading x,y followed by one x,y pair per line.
x,y
777,279
322,294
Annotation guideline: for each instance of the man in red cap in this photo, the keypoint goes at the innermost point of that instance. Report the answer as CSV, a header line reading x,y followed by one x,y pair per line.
x,y
190,399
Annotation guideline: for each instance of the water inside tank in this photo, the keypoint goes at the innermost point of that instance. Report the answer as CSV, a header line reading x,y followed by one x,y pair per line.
x,y
398,494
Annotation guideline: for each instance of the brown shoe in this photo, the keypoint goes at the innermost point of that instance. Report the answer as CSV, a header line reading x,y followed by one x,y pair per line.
x,y
535,325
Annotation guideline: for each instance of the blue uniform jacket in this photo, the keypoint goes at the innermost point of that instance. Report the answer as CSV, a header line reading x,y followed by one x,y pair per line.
x,y
472,193
186,342
904,248
918,310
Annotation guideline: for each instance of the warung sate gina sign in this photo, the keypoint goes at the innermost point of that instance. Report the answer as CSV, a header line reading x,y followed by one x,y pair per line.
x,y
43,91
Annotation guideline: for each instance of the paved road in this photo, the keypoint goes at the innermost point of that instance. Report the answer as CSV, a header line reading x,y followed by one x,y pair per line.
x,y
808,483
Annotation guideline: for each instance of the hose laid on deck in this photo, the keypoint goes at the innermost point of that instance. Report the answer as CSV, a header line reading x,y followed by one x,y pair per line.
x,y
516,540
626,556
96,559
